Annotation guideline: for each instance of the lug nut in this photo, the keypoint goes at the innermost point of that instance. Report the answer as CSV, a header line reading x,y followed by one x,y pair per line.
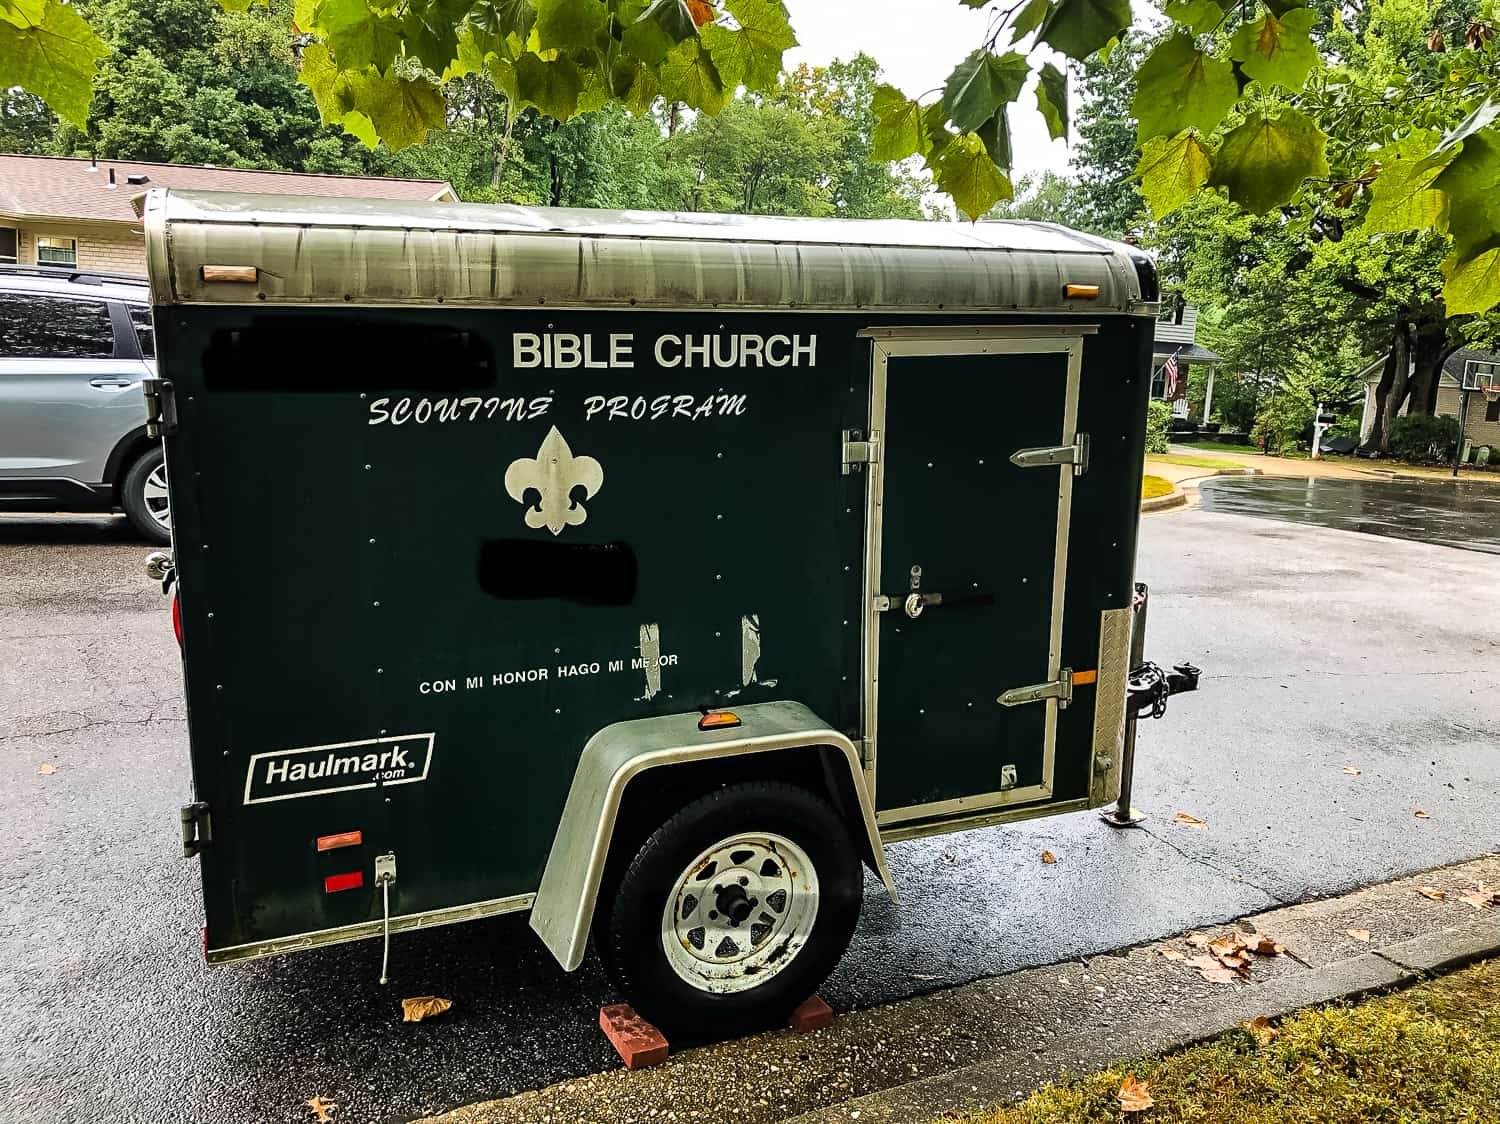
x,y
744,881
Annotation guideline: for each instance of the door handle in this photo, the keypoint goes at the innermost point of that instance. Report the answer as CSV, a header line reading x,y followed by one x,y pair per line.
x,y
914,604
115,382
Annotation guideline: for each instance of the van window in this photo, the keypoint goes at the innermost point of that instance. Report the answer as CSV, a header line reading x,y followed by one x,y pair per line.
x,y
36,326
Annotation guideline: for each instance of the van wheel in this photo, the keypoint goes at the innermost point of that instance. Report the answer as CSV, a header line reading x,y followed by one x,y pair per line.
x,y
733,911
143,495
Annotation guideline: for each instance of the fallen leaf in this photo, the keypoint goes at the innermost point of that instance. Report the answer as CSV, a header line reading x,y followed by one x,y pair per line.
x,y
1262,945
1359,934
46,768
423,1007
1480,898
1048,858
1212,970
702,12
1199,940
1260,1029
1351,770
1432,892
1228,945
1171,954
1182,819
1134,1096
1421,815
322,1108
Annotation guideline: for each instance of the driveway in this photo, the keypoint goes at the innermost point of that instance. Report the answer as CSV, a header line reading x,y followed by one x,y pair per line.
x,y
1460,515
1321,650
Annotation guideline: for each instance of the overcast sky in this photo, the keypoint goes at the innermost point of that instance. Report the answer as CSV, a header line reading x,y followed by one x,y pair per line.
x,y
918,42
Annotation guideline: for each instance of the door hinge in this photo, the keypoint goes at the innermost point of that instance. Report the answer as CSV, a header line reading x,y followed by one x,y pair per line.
x,y
161,407
197,830
1076,454
1060,689
857,452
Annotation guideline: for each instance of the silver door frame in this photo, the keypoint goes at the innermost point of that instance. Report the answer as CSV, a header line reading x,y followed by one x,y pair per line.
x,y
1051,339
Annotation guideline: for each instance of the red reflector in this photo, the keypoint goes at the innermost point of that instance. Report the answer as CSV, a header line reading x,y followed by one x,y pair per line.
x,y
719,720
177,619
336,882
342,839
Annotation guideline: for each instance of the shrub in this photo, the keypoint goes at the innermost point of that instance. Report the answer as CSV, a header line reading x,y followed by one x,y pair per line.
x,y
1422,437
1158,417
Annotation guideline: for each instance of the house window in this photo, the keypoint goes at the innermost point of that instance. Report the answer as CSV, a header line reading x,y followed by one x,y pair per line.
x,y
9,243
1172,305
1492,410
51,250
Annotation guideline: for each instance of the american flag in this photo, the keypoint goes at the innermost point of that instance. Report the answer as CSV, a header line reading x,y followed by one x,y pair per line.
x,y
1169,369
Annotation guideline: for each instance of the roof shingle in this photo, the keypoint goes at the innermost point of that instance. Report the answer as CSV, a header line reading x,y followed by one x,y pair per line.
x,y
38,187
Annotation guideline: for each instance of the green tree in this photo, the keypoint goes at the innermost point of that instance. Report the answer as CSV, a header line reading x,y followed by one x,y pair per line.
x,y
1106,195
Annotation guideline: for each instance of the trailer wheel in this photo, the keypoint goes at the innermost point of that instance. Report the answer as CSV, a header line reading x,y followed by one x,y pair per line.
x,y
733,911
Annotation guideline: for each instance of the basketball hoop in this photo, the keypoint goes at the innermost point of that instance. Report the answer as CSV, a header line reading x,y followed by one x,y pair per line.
x,y
1491,393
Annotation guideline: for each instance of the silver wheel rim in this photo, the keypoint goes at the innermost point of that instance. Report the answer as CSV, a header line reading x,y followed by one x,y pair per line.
x,y
154,493
740,912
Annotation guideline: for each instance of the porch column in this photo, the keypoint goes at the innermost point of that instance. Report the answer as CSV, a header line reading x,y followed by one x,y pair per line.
x,y
1208,396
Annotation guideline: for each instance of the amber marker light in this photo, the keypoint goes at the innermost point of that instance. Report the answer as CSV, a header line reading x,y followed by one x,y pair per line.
x,y
719,720
1081,292
342,839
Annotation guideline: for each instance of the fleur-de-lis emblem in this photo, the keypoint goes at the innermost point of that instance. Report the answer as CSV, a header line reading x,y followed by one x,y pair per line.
x,y
547,484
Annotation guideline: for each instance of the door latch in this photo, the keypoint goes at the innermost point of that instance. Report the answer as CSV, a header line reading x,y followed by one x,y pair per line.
x,y
914,603
1060,689
858,453
1043,456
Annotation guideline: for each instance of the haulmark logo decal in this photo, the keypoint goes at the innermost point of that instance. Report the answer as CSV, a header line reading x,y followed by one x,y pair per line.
x,y
315,770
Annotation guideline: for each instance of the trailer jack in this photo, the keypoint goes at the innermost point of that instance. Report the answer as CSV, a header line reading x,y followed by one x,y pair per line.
x,y
1146,695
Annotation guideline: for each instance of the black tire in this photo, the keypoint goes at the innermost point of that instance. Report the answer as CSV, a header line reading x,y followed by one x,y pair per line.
x,y
133,497
628,928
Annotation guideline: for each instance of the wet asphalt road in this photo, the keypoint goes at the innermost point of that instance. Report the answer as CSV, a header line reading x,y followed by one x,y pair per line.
x,y
1321,649
1461,515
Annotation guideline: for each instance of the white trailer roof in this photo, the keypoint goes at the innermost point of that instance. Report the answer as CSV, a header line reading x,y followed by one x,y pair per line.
x,y
387,252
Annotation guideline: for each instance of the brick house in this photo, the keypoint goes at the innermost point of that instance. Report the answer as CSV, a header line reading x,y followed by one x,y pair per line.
x,y
57,210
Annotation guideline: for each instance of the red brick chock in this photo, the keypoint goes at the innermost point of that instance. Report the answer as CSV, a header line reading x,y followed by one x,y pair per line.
x,y
811,1014
639,1044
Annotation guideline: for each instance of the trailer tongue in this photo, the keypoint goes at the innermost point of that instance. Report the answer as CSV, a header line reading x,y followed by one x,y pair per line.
x,y
651,573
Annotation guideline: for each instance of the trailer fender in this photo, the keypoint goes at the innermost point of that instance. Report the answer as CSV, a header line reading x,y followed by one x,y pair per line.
x,y
564,906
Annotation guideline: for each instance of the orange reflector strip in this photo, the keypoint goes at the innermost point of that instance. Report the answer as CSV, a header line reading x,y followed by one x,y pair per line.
x,y
342,839
1082,677
1081,292
719,720
336,882
244,274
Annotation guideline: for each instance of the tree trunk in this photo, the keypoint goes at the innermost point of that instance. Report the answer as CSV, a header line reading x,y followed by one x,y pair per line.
x,y
1429,350
1397,362
502,147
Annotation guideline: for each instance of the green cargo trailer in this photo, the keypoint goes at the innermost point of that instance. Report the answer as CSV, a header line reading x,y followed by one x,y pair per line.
x,y
647,572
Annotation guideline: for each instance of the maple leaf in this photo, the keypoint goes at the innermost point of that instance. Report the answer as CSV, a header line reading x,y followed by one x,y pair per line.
x,y
1362,935
1212,970
1480,898
1048,858
1432,893
322,1108
423,1007
1171,954
1134,1096
1183,819
1198,940
46,768
1260,1029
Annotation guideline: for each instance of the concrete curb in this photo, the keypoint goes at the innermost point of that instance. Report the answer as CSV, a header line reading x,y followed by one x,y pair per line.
x,y
1175,498
1009,1076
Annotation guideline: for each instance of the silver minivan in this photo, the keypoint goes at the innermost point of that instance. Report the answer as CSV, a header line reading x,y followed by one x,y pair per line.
x,y
74,347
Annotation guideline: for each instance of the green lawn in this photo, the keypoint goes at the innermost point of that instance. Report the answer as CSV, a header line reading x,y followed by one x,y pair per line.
x,y
1154,486
1220,447
1428,1054
1193,462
